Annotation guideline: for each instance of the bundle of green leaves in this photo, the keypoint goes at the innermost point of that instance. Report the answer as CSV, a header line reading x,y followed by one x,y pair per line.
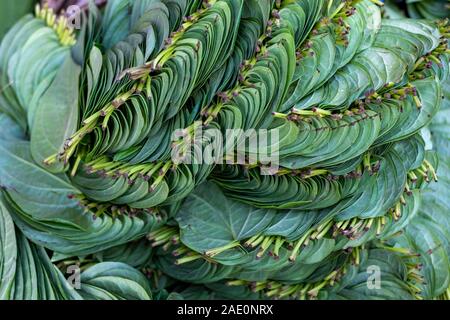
x,y
93,204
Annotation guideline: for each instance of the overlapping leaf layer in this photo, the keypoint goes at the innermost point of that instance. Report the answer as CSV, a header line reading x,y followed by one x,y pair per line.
x,y
90,185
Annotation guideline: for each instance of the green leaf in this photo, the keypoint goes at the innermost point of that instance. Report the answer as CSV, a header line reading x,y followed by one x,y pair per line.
x,y
8,250
208,220
115,281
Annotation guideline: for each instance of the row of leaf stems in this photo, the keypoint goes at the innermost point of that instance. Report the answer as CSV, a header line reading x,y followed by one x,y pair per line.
x,y
66,37
117,169
414,279
390,91
354,228
59,24
310,291
345,10
426,62
146,171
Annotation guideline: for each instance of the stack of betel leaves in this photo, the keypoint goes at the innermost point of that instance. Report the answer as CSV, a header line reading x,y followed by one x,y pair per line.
x,y
418,9
95,203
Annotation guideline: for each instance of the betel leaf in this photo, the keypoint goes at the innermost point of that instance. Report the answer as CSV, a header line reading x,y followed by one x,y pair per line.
x,y
135,254
36,191
57,115
347,92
